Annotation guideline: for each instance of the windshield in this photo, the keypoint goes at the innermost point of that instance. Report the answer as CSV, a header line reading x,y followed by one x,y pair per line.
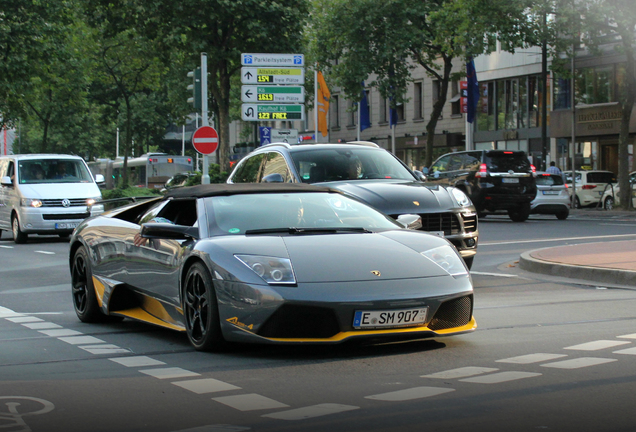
x,y
237,214
339,164
53,171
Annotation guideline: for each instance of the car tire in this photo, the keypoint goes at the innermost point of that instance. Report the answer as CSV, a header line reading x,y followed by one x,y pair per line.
x,y
469,261
19,237
201,310
609,203
84,297
520,214
563,215
577,203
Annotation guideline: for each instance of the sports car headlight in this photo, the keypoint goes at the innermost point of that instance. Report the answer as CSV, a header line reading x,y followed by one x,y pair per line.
x,y
272,270
460,197
448,259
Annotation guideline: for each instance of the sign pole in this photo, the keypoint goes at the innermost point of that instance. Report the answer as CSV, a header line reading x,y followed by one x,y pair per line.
x,y
205,176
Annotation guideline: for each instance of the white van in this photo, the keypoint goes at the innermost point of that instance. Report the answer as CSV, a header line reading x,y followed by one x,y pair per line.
x,y
46,194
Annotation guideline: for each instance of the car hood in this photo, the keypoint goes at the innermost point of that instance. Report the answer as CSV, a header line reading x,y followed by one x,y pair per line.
x,y
60,190
398,196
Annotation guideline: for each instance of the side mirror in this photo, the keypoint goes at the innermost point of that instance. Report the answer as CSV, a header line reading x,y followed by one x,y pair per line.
x,y
420,175
169,231
273,178
99,179
410,221
6,181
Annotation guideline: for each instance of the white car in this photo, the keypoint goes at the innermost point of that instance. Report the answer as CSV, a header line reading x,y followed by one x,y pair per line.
x,y
611,197
552,196
590,186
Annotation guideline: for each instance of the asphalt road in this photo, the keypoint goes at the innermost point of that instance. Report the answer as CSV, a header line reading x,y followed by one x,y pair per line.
x,y
549,354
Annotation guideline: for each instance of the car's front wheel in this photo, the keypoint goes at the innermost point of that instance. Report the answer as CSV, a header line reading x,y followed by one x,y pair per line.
x,y
201,310
563,215
19,237
609,203
84,298
520,214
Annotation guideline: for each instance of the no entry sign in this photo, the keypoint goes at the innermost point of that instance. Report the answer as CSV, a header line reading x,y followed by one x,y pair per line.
x,y
205,140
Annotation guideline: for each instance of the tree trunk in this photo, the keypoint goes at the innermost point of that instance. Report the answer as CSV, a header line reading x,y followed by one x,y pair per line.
x,y
438,106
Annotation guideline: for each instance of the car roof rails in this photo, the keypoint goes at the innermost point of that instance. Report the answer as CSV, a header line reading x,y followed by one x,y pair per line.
x,y
364,143
275,144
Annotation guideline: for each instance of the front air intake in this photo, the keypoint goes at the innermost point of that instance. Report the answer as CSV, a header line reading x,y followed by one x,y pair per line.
x,y
453,313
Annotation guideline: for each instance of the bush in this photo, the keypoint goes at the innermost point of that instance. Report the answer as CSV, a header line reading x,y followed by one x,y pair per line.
x,y
129,192
215,176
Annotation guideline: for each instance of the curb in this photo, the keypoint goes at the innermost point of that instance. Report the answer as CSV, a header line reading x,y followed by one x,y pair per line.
x,y
595,274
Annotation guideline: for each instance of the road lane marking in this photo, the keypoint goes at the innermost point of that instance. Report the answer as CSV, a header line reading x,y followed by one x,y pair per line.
x,y
531,358
578,363
410,394
216,428
630,351
169,373
493,274
25,319
104,349
311,411
628,336
205,385
500,377
250,402
45,252
6,313
41,326
597,345
81,340
6,247
137,361
462,372
481,244
61,332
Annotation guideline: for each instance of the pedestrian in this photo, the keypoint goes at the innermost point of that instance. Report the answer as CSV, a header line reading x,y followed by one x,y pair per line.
x,y
553,169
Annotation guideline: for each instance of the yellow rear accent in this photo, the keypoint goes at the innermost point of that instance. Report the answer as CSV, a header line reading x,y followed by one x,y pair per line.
x,y
99,290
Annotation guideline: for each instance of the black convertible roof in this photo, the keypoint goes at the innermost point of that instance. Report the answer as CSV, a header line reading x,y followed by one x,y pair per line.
x,y
219,189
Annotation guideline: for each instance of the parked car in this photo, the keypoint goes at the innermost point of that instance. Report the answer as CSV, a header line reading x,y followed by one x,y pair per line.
x,y
46,194
269,263
590,186
373,175
494,180
552,196
611,196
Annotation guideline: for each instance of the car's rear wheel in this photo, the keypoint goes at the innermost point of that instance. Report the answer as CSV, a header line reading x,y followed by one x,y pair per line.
x,y
577,203
201,310
84,298
520,214
19,237
563,215
609,203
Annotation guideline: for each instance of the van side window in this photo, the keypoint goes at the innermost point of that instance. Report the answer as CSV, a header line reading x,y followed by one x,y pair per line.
x,y
11,171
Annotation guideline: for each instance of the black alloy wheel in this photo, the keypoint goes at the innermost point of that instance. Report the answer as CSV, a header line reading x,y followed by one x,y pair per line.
x,y
84,297
201,310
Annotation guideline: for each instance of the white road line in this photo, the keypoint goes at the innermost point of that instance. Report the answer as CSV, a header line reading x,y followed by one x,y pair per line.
x,y
41,326
630,351
250,402
45,252
500,377
462,372
578,363
311,411
104,349
216,428
410,394
481,244
137,361
493,274
628,336
61,332
6,313
169,373
81,340
205,385
25,319
531,358
6,247
597,345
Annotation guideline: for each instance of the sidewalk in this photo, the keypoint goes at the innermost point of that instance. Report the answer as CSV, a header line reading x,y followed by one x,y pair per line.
x,y
612,262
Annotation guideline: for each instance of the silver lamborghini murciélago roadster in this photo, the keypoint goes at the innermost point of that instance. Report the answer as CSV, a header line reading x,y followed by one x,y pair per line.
x,y
269,263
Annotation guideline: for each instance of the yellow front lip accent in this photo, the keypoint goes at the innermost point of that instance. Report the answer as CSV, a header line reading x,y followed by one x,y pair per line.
x,y
472,325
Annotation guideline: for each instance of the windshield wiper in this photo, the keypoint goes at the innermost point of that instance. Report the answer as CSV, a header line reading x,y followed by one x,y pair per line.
x,y
299,231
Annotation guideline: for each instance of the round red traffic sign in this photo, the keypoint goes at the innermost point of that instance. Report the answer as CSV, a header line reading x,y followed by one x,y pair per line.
x,y
205,140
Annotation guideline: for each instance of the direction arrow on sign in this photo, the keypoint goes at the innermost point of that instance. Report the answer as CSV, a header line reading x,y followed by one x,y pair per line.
x,y
272,75
205,140
256,112
278,94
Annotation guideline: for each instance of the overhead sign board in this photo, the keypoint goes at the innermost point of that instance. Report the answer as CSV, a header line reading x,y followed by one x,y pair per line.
x,y
277,94
269,59
266,112
272,75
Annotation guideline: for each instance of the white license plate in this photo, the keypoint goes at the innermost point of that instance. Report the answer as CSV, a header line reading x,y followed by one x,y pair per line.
x,y
550,192
509,180
67,225
389,318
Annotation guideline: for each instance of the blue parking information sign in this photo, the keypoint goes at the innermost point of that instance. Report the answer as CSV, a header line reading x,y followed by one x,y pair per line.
x,y
270,59
265,134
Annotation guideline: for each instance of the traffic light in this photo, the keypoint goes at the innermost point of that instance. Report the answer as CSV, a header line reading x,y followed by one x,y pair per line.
x,y
195,87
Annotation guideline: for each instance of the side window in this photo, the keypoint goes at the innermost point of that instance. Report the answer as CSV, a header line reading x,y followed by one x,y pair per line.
x,y
441,164
249,171
455,163
471,161
275,164
152,212
11,171
180,212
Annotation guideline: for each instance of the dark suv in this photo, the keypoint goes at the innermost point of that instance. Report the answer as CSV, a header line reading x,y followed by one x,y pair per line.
x,y
494,180
372,175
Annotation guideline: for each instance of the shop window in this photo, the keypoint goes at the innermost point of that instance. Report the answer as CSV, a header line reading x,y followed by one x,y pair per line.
x,y
417,101
595,85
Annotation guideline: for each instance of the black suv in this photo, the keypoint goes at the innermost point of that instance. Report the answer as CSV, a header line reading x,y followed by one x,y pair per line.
x,y
372,175
494,180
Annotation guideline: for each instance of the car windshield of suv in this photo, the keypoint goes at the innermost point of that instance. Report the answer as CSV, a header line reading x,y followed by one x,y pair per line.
x,y
304,212
53,171
337,164
504,161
